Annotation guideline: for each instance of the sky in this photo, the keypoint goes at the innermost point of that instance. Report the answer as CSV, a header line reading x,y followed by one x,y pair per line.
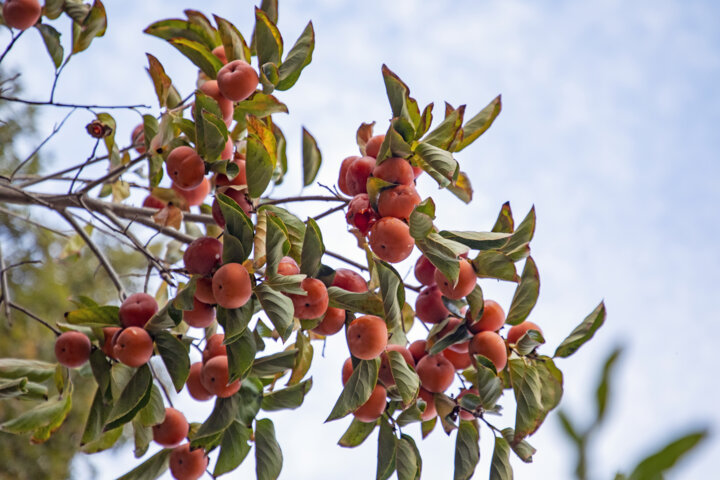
x,y
609,128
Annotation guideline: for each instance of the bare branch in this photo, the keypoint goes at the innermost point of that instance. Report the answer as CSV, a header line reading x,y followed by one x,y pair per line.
x,y
346,260
98,253
4,286
328,212
34,317
10,45
110,175
308,198
72,105
56,129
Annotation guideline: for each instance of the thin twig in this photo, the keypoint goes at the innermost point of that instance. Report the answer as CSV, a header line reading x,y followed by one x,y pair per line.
x,y
98,253
31,222
308,198
346,260
328,212
10,45
6,299
56,129
34,317
77,174
111,174
71,105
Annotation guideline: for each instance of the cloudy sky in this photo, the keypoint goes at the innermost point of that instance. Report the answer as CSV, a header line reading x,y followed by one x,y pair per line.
x,y
609,127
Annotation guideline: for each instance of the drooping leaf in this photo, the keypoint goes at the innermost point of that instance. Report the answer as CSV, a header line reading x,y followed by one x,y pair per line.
x,y
467,450
529,342
33,370
303,360
133,398
274,364
151,468
386,456
268,455
160,79
490,387
406,379
288,398
312,159
233,42
537,385
221,417
500,468
259,166
241,352
357,390
365,302
312,250
442,166
494,264
154,412
356,433
393,295
42,420
234,447
407,459
51,38
199,54
174,354
526,294
295,228
278,307
582,333
93,25
522,449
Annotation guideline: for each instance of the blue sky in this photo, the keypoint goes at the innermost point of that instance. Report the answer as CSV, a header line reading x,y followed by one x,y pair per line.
x,y
609,127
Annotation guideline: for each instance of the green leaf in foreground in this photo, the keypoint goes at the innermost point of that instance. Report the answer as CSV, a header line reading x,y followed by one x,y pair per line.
x,y
582,332
356,433
526,294
152,468
268,456
357,390
500,468
467,450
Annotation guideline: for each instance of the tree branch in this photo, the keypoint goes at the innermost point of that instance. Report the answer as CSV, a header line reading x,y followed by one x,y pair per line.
x,y
56,129
34,317
72,105
98,253
4,286
308,198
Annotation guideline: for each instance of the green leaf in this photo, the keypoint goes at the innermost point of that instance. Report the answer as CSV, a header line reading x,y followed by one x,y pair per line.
x,y
462,187
241,354
490,387
42,420
582,333
406,379
160,79
141,434
476,303
603,389
93,25
365,302
357,390
288,398
303,360
478,240
295,228
268,41
211,133
235,320
407,459
394,143
444,134
20,387
177,28
522,449
233,448
278,307
259,105
459,334
411,414
174,354
393,295
529,342
53,8
249,400
152,468
467,450
222,415
268,456
273,364
398,94
312,250
259,166
237,223
387,446
442,166
537,385
517,246
277,244
133,398
297,58
105,441
526,294
199,54
99,410
477,125
281,166
196,17
33,370
233,42
504,222
494,264
428,426
652,467
105,316
356,433
312,158
51,38
500,468
443,253
154,412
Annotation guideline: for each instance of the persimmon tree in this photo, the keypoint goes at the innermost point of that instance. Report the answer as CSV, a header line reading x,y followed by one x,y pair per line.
x,y
242,269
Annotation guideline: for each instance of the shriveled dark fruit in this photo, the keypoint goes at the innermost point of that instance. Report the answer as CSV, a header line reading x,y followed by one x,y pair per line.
x,y
137,309
367,337
374,407
357,175
232,287
186,464
21,14
215,376
194,196
349,280
342,184
360,214
194,384
425,271
521,329
240,197
288,266
429,306
398,202
385,372
372,147
203,255
315,303
185,167
490,345
492,318
72,349
430,410
395,170
214,347
333,321
237,80
436,373
390,240
418,349
467,280
173,429
133,346
201,315
203,291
